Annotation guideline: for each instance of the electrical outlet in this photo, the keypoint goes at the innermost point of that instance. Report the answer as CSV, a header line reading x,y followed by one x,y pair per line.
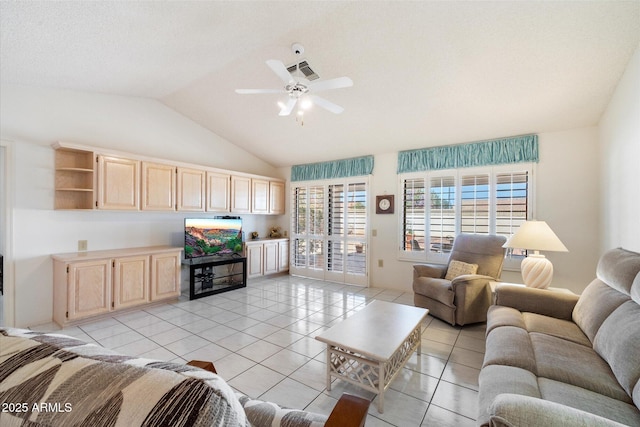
x,y
374,232
82,245
380,263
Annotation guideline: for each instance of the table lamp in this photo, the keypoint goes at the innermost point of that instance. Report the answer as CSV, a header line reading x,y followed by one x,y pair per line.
x,y
537,271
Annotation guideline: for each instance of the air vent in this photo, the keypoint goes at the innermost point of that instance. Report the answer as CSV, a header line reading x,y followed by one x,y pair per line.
x,y
305,69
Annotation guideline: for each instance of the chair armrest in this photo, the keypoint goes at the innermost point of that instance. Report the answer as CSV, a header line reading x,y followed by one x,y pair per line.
x,y
517,410
429,270
350,411
472,280
540,301
207,366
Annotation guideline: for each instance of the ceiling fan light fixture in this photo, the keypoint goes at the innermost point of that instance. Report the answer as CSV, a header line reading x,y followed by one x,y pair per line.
x,y
305,104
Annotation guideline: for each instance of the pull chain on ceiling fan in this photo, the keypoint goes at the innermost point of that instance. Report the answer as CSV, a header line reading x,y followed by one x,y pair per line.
x,y
299,88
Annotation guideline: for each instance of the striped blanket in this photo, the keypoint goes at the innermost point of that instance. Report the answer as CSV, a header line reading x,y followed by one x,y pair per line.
x,y
55,380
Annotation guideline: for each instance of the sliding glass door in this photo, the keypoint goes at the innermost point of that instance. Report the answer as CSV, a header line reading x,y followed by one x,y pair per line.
x,y
329,231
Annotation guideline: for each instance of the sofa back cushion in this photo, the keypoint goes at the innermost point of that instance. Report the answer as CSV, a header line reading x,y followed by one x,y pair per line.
x,y
618,342
617,272
596,303
619,268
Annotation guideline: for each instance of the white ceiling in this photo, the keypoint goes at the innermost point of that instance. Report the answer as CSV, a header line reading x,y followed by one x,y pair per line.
x,y
425,73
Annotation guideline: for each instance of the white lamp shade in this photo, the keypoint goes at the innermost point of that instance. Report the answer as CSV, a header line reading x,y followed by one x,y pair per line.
x,y
535,235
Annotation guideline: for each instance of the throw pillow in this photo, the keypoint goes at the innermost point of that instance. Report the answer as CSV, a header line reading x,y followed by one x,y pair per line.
x,y
458,268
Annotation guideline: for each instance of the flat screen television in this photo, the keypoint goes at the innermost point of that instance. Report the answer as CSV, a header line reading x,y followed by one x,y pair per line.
x,y
212,236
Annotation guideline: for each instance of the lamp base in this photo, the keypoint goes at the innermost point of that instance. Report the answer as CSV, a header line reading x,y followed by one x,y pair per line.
x,y
537,271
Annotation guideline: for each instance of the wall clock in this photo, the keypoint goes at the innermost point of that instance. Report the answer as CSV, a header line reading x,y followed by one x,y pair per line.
x,y
384,204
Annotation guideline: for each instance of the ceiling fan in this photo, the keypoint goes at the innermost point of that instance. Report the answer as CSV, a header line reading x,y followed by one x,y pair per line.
x,y
299,88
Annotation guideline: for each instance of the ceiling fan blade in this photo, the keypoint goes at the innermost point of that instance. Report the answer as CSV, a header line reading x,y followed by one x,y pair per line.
x,y
327,105
286,110
253,91
336,83
280,70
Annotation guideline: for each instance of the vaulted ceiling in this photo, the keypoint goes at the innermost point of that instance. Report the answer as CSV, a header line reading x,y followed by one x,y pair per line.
x,y
425,73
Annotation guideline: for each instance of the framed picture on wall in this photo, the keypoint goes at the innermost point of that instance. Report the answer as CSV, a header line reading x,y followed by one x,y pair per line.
x,y
384,204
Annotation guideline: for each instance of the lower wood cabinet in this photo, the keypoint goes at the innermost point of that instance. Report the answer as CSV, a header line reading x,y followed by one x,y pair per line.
x,y
88,284
267,256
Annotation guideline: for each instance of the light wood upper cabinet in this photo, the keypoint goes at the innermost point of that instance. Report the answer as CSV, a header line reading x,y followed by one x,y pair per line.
x,y
130,281
165,275
276,198
191,189
259,196
89,288
218,186
240,194
118,183
158,187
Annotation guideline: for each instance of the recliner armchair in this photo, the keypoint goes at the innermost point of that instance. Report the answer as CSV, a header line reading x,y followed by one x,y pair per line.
x,y
466,298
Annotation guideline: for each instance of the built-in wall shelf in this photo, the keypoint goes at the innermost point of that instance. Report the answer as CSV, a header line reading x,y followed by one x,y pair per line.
x,y
74,182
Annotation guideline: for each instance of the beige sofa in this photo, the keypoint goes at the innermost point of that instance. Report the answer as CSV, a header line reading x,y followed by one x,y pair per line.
x,y
560,359
56,380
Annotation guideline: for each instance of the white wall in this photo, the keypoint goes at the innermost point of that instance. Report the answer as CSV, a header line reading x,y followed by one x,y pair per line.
x,y
34,118
620,152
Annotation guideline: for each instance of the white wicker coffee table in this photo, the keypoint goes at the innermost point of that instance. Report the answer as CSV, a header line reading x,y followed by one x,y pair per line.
x,y
369,348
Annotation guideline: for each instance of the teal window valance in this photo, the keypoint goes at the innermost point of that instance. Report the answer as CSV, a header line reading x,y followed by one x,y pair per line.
x,y
517,149
334,169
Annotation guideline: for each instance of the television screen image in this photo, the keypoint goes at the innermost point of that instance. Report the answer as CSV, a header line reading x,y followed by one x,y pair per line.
x,y
212,236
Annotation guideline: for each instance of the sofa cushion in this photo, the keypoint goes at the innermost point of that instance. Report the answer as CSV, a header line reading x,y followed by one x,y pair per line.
x,y
459,268
635,289
618,342
555,327
513,410
498,315
511,346
261,413
437,289
572,363
496,379
589,401
596,303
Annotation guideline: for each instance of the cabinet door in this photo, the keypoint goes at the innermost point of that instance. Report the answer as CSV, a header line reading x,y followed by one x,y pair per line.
x,y
158,187
165,276
118,183
259,196
240,194
270,258
89,288
218,185
276,198
191,192
254,260
283,255
130,281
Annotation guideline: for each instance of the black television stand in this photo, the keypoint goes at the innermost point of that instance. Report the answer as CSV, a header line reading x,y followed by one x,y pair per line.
x,y
214,274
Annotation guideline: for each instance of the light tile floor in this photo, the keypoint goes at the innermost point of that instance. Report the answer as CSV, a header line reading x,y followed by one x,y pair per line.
x,y
261,340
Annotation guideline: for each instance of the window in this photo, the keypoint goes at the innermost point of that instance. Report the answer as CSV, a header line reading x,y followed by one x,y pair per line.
x,y
488,200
